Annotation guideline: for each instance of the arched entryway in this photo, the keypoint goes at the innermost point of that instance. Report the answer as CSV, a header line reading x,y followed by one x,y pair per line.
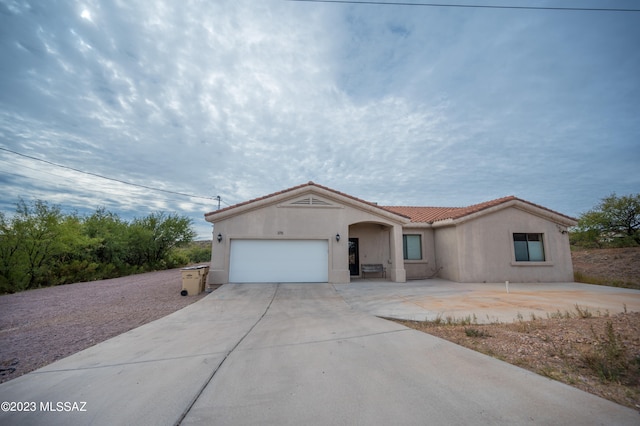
x,y
369,243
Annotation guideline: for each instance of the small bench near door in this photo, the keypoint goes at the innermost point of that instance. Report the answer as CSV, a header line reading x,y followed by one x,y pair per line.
x,y
373,267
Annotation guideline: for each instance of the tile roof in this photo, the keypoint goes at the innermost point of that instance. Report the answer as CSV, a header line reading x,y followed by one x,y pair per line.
x,y
423,214
310,183
435,214
416,214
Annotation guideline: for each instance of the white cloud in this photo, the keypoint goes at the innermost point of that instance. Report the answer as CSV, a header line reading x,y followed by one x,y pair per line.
x,y
243,98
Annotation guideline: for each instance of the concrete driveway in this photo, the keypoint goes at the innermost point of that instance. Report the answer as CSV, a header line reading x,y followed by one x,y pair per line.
x,y
293,354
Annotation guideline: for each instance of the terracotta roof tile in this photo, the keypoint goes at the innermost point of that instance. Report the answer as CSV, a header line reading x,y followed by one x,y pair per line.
x,y
416,214
435,214
423,214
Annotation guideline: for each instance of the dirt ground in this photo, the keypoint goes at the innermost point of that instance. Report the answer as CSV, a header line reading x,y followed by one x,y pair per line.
x,y
576,347
576,350
615,266
38,327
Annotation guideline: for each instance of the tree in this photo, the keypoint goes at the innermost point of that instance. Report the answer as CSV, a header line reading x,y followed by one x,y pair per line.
x,y
31,241
152,238
111,235
615,221
9,252
39,245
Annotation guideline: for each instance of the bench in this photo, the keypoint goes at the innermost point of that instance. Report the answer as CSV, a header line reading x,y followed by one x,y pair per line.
x,y
373,267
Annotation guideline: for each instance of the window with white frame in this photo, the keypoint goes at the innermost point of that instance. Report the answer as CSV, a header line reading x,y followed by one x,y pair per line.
x,y
528,247
412,247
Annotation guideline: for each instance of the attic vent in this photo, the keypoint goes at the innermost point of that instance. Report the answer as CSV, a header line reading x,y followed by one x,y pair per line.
x,y
317,202
310,201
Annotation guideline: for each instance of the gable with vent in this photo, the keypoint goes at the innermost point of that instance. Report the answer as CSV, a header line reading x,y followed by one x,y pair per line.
x,y
309,201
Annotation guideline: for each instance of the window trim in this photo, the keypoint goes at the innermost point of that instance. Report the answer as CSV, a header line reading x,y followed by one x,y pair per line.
x,y
545,247
404,245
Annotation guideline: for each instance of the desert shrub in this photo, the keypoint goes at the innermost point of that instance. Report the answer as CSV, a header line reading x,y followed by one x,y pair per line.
x,y
608,358
76,271
175,259
199,254
41,246
474,332
583,313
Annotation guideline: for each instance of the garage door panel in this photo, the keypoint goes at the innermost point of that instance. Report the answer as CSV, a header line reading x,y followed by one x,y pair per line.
x,y
278,261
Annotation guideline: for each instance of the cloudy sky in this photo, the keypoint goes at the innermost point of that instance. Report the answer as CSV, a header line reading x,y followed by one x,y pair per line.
x,y
402,105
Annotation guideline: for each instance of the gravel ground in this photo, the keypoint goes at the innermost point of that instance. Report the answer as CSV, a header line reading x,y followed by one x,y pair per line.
x,y
38,327
562,349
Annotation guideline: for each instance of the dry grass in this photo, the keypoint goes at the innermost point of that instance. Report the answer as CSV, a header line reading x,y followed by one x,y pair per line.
x,y
616,267
594,352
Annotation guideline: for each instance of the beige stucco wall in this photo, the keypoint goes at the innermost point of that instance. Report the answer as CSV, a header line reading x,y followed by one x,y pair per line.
x,y
426,267
447,254
485,249
282,220
373,242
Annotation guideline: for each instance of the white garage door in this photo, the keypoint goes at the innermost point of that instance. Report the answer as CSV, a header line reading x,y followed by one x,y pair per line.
x,y
279,261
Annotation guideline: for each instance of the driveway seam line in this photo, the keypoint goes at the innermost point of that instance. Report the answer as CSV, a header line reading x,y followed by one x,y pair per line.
x,y
336,339
120,364
215,370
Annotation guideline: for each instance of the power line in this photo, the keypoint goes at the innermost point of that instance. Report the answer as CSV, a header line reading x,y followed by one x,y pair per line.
x,y
105,177
472,6
68,182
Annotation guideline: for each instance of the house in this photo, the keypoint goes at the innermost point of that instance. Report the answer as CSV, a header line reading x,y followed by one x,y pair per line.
x,y
311,233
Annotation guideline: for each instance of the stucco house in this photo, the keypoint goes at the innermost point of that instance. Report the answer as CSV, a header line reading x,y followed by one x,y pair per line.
x,y
311,233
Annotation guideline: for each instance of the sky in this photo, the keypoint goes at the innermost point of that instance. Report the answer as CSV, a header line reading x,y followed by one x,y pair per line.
x,y
394,104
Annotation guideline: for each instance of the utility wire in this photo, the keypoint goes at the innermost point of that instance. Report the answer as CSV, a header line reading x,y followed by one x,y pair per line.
x,y
471,6
105,177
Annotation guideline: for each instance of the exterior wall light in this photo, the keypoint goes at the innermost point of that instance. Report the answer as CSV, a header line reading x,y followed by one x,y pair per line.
x,y
219,238
338,237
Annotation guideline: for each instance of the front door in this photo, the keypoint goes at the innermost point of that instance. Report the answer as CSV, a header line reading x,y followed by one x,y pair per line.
x,y
354,259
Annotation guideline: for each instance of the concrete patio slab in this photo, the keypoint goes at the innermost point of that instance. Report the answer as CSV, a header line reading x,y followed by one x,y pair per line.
x,y
486,302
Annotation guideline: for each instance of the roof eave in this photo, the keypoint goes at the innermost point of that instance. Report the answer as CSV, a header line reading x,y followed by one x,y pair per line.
x,y
516,203
217,216
418,225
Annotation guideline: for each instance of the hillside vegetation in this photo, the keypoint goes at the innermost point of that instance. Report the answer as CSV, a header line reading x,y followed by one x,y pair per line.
x,y
41,246
616,267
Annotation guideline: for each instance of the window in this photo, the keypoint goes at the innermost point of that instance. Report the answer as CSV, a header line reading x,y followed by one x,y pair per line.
x,y
528,247
412,247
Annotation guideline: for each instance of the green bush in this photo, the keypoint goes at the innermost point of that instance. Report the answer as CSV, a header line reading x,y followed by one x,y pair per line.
x,y
175,259
198,252
41,246
76,271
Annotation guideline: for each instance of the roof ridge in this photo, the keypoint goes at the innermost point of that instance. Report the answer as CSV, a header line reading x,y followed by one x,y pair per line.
x,y
424,207
425,214
264,197
429,214
294,188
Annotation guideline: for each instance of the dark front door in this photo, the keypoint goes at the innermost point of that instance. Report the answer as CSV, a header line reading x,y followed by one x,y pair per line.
x,y
354,259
